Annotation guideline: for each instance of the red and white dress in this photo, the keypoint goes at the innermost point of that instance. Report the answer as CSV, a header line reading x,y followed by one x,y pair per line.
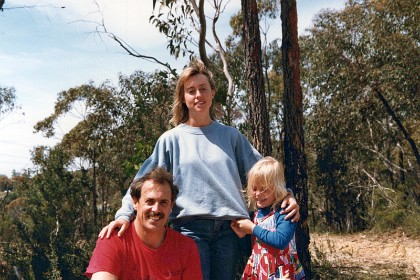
x,y
267,262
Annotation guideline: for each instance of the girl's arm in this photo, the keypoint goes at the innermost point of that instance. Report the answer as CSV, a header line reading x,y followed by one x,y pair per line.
x,y
280,238
242,227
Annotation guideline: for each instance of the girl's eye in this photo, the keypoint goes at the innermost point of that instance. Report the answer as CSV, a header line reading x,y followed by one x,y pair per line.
x,y
259,190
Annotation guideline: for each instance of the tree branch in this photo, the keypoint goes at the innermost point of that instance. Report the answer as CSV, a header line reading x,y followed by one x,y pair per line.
x,y
398,122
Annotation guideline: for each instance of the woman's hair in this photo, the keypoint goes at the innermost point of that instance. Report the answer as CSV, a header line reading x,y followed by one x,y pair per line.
x,y
179,109
267,173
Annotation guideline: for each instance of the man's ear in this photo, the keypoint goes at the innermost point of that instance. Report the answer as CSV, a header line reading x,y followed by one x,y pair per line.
x,y
135,202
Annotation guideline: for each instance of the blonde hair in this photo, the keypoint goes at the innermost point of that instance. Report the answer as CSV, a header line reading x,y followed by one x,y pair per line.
x,y
179,109
267,173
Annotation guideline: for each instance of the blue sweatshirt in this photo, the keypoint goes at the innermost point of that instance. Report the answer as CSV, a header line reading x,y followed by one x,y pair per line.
x,y
209,165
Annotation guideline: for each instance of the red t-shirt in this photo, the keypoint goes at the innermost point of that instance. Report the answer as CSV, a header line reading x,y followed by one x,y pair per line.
x,y
128,257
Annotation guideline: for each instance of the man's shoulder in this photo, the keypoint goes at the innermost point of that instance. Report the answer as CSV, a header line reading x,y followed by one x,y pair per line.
x,y
115,239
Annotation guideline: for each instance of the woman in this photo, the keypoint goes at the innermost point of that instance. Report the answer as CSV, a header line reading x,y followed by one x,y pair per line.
x,y
209,162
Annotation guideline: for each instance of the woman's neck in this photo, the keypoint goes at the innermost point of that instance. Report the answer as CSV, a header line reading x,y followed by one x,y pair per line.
x,y
199,122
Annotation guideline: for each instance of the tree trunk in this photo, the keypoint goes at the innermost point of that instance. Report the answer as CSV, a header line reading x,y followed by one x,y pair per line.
x,y
258,113
94,193
295,159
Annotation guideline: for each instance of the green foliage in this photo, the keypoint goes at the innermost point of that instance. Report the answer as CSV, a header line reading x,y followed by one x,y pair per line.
x,y
7,100
172,20
358,155
77,185
402,214
46,213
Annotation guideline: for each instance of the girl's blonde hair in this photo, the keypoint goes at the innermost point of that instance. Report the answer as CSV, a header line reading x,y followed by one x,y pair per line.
x,y
179,109
267,173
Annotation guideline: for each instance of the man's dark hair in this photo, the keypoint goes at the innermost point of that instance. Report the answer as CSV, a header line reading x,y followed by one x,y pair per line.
x,y
157,175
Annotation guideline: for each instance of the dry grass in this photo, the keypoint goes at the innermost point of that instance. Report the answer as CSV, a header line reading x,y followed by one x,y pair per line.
x,y
365,256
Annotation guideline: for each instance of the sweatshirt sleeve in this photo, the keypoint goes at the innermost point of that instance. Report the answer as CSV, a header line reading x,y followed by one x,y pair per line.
x,y
246,156
160,158
285,230
126,211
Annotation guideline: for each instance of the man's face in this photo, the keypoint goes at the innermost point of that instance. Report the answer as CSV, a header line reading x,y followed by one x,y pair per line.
x,y
154,206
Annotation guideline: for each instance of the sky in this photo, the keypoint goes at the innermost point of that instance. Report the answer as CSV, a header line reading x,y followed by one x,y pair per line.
x,y
49,46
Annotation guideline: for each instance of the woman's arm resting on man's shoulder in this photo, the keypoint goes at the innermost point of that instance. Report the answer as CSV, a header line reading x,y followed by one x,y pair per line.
x,y
122,224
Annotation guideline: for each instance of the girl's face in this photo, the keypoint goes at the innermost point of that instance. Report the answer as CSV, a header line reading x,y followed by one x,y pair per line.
x,y
198,94
264,196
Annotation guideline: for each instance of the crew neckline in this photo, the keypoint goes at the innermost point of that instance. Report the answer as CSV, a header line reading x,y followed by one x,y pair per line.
x,y
199,130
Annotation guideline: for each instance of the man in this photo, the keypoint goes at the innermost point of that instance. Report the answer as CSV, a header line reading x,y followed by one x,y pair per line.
x,y
149,249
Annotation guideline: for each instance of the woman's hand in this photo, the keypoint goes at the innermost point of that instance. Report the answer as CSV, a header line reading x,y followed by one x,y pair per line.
x,y
118,223
292,208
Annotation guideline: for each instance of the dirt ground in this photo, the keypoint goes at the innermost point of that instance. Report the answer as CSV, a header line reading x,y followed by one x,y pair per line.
x,y
371,253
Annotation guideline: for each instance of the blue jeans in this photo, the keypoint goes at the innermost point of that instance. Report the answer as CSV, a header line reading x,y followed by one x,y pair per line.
x,y
218,246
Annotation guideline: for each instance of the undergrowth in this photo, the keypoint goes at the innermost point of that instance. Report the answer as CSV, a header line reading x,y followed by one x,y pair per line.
x,y
325,269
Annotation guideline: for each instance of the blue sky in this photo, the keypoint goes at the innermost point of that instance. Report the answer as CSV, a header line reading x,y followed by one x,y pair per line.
x,y
45,49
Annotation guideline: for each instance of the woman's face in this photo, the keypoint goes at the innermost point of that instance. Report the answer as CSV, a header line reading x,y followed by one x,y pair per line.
x,y
198,94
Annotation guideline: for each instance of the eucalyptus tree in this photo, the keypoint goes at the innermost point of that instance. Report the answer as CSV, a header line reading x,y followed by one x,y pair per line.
x,y
116,132
44,210
294,147
7,100
185,23
254,79
16,253
362,79
54,212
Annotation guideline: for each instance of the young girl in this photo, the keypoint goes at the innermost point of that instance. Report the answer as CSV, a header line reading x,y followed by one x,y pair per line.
x,y
274,253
